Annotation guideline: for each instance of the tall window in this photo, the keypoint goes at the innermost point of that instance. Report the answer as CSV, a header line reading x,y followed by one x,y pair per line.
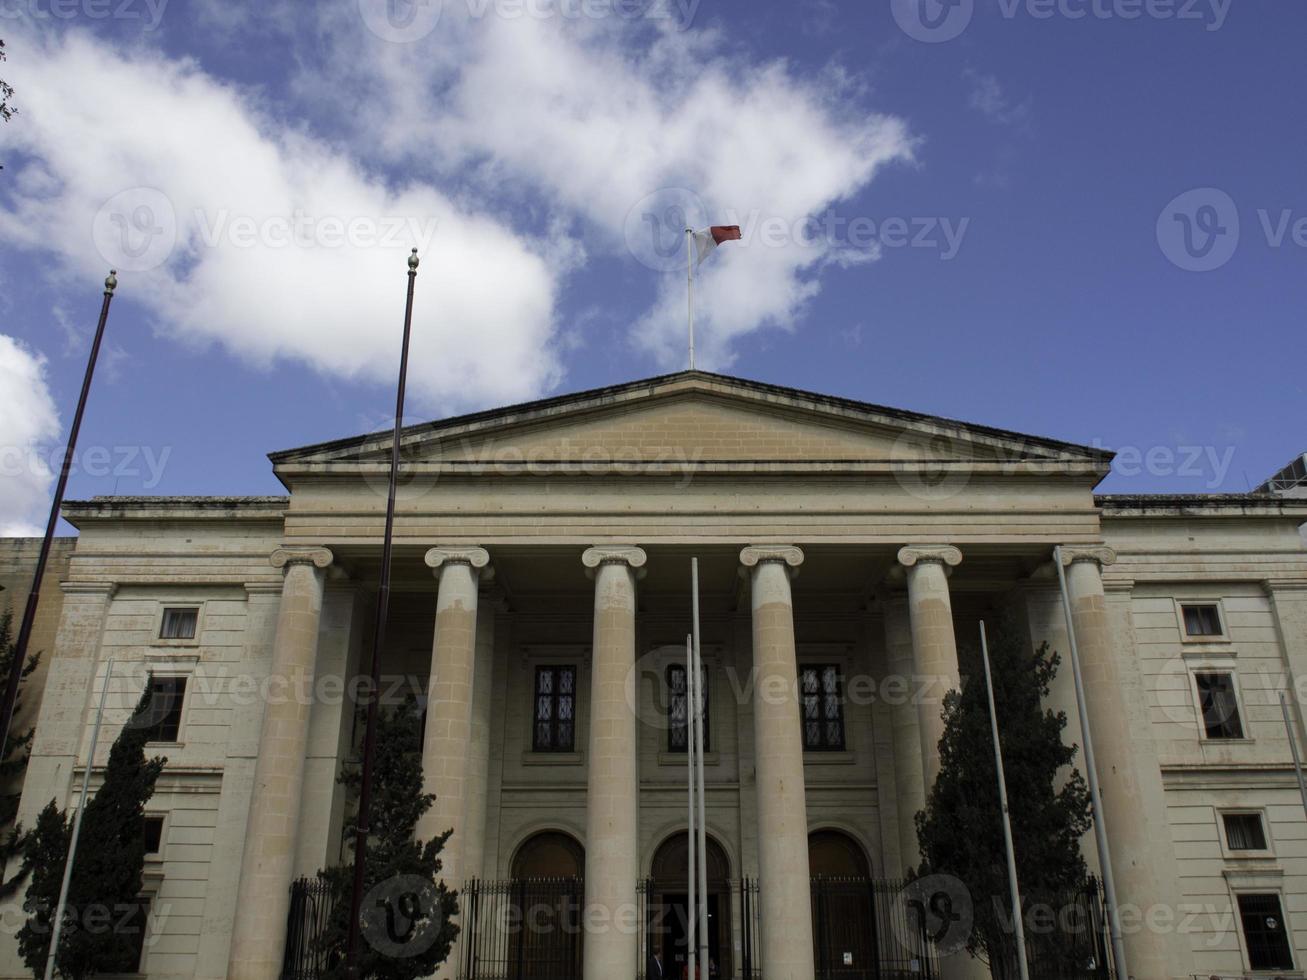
x,y
555,709
163,711
678,711
1264,932
821,689
179,623
1244,831
1219,705
1202,619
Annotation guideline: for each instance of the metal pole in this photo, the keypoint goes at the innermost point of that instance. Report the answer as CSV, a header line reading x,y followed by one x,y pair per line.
x,y
1013,886
34,597
689,279
692,914
1091,775
77,830
698,755
378,642
1293,747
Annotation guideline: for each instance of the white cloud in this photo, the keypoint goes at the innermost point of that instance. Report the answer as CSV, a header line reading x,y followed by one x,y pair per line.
x,y
989,99
28,423
595,114
182,155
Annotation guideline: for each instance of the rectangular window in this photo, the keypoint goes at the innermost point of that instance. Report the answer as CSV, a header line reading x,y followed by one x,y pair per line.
x,y
163,711
1265,932
1202,619
1244,832
555,709
821,689
179,623
1219,705
153,835
678,704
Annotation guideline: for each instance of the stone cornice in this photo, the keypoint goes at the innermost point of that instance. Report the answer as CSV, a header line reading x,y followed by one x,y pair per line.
x,y
917,554
630,555
317,557
1280,586
756,554
105,589
438,558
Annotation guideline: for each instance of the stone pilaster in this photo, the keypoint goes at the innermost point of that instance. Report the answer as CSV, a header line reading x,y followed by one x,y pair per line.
x,y
267,865
1130,780
611,854
478,772
909,781
934,647
784,882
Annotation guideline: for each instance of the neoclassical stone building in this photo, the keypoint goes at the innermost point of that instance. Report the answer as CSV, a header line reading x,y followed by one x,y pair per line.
x,y
540,609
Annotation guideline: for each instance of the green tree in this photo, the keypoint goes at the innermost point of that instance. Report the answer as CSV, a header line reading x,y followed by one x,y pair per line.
x,y
6,91
408,909
13,766
104,923
961,832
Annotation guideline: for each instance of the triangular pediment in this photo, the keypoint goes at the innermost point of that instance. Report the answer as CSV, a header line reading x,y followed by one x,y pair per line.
x,y
696,416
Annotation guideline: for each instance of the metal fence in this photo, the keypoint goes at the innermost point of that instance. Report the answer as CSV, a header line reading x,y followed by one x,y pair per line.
x,y
864,929
312,902
521,928
1067,938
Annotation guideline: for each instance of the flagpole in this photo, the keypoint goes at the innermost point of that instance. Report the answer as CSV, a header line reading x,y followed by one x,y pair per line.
x,y
1091,775
1013,886
699,699
691,912
19,660
363,821
689,281
77,830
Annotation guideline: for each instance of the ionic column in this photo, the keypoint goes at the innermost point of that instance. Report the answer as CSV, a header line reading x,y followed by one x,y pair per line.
x,y
785,895
1134,799
909,783
446,743
611,847
267,864
478,773
934,647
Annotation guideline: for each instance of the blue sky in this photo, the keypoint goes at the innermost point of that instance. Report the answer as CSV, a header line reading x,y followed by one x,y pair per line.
x,y
986,213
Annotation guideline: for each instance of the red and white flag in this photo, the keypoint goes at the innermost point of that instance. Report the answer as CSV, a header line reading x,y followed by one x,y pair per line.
x,y
706,241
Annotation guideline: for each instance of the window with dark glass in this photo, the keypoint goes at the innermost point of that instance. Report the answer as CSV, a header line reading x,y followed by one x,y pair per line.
x,y
555,709
1202,620
678,705
821,690
179,623
1219,705
1265,932
153,835
1244,832
162,713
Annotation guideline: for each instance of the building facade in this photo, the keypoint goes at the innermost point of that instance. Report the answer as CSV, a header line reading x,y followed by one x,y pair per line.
x,y
540,610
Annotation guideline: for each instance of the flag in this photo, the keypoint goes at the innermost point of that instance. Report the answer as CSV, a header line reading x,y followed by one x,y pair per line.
x,y
707,240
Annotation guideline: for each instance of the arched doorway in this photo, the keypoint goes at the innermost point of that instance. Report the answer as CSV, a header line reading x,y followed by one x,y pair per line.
x,y
669,904
545,894
843,908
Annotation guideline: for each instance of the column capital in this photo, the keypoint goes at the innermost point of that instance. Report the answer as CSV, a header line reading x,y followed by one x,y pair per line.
x,y
438,558
630,555
287,556
1100,554
920,554
756,554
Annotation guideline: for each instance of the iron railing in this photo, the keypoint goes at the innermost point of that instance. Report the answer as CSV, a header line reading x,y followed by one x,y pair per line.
x,y
521,928
865,929
312,902
1067,938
